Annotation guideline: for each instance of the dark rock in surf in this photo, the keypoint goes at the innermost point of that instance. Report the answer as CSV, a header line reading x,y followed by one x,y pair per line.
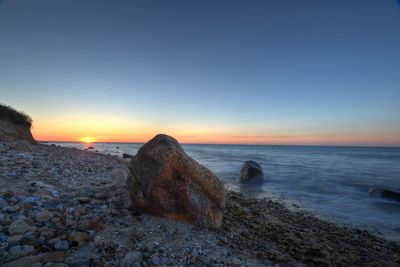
x,y
251,170
385,193
165,181
90,147
127,156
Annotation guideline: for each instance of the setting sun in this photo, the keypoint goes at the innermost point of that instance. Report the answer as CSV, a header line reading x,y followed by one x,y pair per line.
x,y
88,139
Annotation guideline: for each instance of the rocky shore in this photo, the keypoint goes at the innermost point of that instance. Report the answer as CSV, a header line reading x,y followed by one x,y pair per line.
x,y
65,207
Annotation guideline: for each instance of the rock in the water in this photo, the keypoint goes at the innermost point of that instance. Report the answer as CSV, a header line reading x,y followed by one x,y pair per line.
x,y
21,146
385,193
164,181
127,156
251,170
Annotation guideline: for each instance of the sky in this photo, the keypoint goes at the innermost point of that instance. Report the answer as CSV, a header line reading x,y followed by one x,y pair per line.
x,y
313,72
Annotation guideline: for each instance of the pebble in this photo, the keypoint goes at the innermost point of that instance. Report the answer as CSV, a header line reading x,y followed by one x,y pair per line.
x,y
61,245
20,251
155,260
43,216
18,227
132,259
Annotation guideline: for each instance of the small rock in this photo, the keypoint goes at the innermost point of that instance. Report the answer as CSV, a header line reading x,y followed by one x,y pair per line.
x,y
14,239
20,251
83,199
61,245
132,259
3,203
43,216
127,156
155,260
77,238
18,227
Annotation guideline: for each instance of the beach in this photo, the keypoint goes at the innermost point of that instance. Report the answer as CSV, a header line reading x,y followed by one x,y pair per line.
x,y
67,207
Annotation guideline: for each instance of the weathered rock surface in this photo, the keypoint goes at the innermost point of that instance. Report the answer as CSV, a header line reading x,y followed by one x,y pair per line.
x,y
10,132
164,181
386,194
251,170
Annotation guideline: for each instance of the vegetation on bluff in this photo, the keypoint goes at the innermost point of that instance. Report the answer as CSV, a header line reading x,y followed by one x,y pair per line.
x,y
17,117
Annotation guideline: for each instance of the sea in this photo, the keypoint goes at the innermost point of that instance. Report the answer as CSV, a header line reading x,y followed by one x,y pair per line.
x,y
331,183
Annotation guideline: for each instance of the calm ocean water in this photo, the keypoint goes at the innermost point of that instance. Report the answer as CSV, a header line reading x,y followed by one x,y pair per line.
x,y
330,182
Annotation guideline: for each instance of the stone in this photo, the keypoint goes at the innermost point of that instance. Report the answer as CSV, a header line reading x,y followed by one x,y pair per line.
x,y
20,251
3,203
132,259
14,239
61,245
386,194
165,181
83,199
18,227
155,260
43,216
119,176
77,238
30,261
127,156
250,170
21,146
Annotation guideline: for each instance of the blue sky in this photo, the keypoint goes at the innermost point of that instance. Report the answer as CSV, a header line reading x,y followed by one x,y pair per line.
x,y
314,72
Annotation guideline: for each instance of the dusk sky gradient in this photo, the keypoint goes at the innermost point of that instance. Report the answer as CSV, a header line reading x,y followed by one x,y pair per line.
x,y
264,72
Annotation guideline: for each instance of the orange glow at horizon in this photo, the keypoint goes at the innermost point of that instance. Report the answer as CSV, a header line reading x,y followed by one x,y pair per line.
x,y
116,129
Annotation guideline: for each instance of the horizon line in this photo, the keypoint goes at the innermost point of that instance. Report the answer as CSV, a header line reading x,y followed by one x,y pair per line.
x,y
238,144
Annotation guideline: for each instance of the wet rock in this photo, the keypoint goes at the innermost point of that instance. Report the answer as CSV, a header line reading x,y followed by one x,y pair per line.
x,y
386,194
250,170
18,227
166,182
132,259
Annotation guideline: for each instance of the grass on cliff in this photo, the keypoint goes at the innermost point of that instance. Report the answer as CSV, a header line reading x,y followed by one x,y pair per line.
x,y
17,117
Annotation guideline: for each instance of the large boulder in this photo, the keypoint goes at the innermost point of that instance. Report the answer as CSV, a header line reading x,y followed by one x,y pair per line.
x,y
164,181
251,170
386,194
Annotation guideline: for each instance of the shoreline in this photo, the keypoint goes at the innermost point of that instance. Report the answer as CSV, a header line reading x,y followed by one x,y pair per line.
x,y
90,214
